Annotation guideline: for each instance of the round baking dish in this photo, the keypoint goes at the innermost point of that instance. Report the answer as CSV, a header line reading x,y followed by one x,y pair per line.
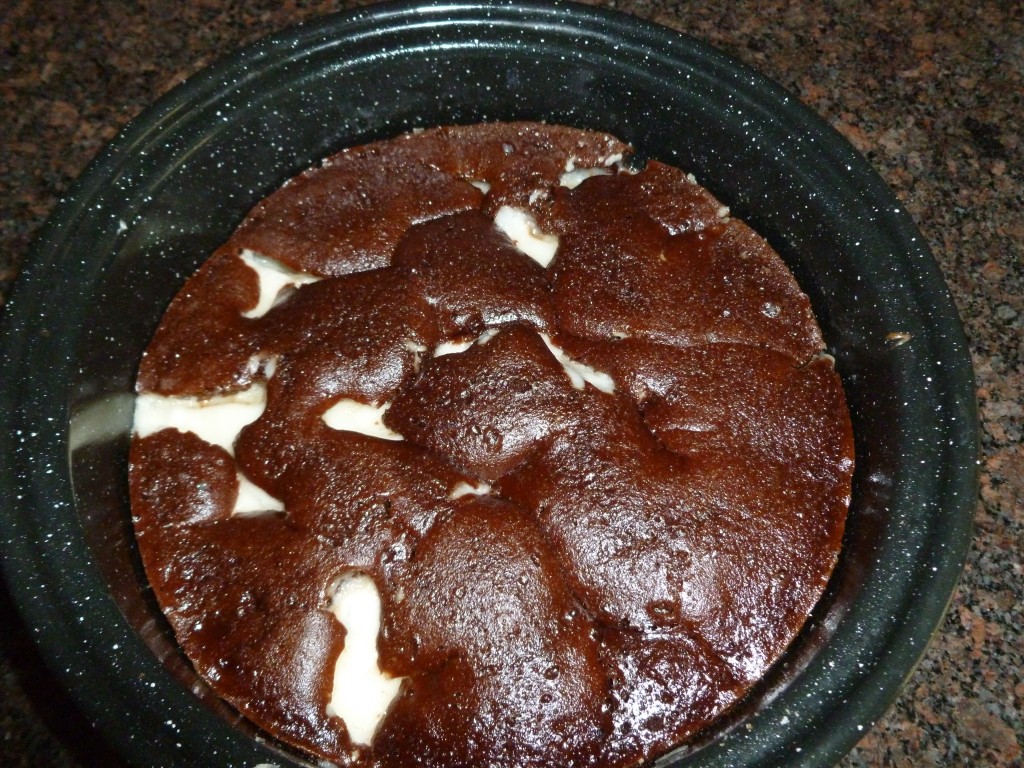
x,y
176,182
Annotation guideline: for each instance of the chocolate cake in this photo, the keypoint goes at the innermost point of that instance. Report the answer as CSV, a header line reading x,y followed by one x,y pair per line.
x,y
563,428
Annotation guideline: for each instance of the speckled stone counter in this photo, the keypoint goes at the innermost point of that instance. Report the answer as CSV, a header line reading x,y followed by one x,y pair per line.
x,y
931,92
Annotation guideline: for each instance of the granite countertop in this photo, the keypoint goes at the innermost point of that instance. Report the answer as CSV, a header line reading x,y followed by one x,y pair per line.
x,y
931,92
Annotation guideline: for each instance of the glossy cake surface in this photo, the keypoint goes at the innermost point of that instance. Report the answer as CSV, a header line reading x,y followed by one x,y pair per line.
x,y
571,422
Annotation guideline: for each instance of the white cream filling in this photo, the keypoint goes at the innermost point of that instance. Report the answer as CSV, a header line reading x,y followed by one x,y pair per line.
x,y
521,228
353,416
463,488
362,693
417,350
458,346
274,277
253,501
267,364
577,176
217,420
580,374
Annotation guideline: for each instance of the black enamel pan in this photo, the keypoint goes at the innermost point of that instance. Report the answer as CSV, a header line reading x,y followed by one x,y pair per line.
x,y
176,182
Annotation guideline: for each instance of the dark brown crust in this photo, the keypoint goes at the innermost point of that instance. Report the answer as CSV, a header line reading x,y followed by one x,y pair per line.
x,y
643,556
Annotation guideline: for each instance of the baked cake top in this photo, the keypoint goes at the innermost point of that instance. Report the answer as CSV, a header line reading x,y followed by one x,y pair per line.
x,y
565,427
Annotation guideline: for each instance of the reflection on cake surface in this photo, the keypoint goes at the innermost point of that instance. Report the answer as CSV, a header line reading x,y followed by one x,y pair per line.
x,y
479,447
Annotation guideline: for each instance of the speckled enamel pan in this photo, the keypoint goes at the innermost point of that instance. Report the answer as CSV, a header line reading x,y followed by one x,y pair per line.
x,y
175,183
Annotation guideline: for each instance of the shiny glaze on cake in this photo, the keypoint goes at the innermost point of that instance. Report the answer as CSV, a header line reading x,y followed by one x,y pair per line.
x,y
642,556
